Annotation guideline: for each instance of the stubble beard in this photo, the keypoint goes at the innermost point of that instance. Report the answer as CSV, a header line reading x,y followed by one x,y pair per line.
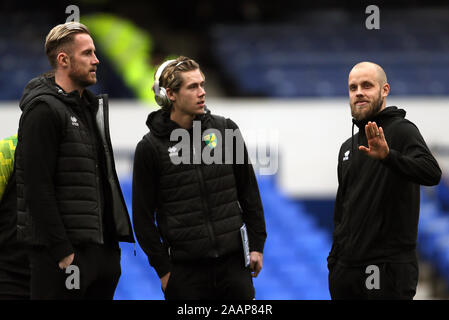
x,y
81,79
371,110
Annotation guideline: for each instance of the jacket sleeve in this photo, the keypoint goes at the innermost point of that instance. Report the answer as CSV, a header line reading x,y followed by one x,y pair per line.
x,y
144,204
412,158
41,131
249,197
337,214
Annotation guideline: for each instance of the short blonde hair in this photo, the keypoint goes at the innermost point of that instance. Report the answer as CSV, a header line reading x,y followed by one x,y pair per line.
x,y
60,37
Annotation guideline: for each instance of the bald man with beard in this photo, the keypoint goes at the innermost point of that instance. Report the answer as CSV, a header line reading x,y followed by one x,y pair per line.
x,y
380,170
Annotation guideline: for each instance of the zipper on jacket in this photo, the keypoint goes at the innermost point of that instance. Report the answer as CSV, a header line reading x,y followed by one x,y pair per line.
x,y
97,177
92,138
99,202
206,209
240,207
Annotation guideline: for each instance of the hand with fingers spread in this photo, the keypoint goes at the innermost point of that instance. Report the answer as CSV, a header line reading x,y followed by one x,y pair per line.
x,y
377,145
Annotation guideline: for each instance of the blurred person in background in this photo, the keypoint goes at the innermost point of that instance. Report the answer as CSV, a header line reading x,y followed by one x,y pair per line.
x,y
14,263
70,206
380,170
196,247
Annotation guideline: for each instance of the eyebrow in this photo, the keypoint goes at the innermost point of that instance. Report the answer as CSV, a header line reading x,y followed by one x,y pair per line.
x,y
88,50
362,82
195,83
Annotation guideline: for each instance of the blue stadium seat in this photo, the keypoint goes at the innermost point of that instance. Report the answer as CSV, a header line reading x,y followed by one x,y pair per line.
x,y
272,60
294,257
433,231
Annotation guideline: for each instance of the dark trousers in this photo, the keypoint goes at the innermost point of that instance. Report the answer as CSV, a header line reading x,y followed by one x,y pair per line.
x,y
221,278
14,286
99,273
395,281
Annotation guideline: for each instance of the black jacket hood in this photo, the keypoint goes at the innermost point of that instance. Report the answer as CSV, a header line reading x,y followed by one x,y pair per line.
x,y
46,85
384,115
161,125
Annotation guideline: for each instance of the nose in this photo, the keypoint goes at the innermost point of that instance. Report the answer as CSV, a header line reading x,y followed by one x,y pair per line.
x,y
359,92
202,91
95,61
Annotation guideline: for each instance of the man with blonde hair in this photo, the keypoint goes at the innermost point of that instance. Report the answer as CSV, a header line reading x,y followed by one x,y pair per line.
x,y
71,210
198,247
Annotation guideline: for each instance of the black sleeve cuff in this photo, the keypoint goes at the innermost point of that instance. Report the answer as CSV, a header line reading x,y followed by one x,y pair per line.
x,y
61,250
389,159
161,265
256,244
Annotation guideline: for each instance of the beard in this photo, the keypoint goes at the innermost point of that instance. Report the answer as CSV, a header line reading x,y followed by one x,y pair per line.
x,y
82,77
368,112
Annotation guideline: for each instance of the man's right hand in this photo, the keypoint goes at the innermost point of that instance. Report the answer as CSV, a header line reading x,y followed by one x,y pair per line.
x,y
164,281
67,261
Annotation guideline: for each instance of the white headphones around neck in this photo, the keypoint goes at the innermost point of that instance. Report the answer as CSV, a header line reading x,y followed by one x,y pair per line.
x,y
160,94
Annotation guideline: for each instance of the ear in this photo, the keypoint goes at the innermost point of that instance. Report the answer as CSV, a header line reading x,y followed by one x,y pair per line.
x,y
385,90
63,60
170,94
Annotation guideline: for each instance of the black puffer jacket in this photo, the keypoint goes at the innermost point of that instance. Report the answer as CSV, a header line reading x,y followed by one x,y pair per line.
x,y
199,207
66,180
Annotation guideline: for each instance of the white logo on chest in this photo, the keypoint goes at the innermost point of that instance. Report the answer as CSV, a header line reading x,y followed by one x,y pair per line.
x,y
74,121
172,152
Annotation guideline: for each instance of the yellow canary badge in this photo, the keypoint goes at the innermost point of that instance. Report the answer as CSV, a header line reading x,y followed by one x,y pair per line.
x,y
210,140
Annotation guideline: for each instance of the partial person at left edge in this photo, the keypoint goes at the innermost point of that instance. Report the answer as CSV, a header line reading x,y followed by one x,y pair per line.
x,y
71,209
14,263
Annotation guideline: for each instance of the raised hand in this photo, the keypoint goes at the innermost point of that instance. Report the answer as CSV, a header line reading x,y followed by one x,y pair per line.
x,y
377,145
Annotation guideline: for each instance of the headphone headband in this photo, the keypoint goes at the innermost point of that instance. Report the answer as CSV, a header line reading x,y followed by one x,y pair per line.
x,y
160,93
161,69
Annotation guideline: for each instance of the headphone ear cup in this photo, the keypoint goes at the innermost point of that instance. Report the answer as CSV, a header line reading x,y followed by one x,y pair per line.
x,y
161,97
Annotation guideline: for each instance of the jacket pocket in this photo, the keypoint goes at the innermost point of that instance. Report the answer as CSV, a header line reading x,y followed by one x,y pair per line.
x,y
401,279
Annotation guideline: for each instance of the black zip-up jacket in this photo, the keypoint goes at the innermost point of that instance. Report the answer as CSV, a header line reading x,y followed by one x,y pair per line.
x,y
198,208
67,187
377,204
13,255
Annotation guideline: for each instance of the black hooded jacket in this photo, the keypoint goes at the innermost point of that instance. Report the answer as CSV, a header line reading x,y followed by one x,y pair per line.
x,y
196,209
67,187
377,204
